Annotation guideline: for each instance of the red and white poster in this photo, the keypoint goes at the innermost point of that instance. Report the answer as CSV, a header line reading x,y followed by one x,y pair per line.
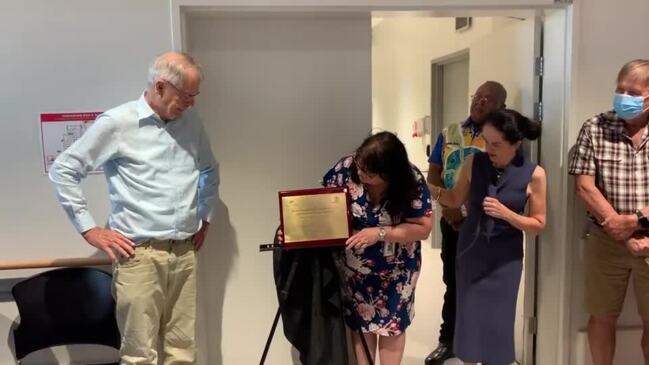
x,y
60,130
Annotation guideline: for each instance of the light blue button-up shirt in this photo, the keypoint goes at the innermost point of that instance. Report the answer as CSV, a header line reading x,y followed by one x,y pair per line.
x,y
162,176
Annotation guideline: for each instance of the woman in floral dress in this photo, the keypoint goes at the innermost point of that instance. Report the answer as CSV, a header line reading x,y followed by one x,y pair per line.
x,y
392,212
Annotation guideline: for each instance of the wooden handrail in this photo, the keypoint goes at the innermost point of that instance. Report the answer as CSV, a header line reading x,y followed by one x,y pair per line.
x,y
46,263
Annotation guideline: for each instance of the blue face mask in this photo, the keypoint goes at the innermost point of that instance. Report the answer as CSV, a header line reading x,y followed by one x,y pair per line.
x,y
628,107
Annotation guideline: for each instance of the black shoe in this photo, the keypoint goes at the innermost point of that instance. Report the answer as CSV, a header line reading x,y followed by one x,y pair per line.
x,y
442,353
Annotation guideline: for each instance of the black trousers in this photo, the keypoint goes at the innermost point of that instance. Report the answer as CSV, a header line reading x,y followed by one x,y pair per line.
x,y
449,251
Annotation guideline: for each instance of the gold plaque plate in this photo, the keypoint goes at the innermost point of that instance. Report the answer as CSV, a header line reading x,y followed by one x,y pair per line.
x,y
315,217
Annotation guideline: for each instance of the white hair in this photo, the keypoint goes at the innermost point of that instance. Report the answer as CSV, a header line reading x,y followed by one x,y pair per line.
x,y
172,69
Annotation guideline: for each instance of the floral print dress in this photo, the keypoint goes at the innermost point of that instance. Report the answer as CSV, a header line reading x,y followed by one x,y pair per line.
x,y
381,277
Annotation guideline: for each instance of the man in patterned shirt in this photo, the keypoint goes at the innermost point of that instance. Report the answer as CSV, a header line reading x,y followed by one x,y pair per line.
x,y
454,144
611,165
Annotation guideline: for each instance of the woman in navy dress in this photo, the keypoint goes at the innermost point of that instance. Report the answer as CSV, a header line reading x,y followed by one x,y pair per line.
x,y
391,209
496,186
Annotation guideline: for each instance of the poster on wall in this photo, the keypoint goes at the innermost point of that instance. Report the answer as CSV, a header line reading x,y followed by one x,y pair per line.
x,y
60,130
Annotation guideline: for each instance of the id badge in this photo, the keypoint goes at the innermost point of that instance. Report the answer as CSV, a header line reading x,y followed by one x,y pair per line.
x,y
388,249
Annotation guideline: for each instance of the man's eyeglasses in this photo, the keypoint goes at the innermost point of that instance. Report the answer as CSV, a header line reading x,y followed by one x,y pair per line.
x,y
183,94
481,99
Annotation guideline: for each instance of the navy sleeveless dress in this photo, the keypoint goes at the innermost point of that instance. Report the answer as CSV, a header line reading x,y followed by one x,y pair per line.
x,y
489,264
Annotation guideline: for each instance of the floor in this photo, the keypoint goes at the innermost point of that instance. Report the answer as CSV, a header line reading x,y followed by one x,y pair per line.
x,y
452,362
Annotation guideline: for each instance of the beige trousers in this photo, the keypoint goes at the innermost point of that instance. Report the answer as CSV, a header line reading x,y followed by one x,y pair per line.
x,y
155,292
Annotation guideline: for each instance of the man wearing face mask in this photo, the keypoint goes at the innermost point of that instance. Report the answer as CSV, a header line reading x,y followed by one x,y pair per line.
x,y
453,146
611,166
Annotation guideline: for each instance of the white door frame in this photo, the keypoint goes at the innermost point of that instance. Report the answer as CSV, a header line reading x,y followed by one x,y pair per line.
x,y
179,8
553,342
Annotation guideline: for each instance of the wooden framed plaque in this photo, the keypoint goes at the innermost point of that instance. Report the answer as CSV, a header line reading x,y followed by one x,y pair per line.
x,y
315,217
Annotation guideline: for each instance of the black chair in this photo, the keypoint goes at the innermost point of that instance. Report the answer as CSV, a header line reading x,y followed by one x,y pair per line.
x,y
63,307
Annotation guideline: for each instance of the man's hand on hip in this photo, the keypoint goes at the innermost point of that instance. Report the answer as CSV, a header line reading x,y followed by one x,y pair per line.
x,y
199,237
110,242
620,227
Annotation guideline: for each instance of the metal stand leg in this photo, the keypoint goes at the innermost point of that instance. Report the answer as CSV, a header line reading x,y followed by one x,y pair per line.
x,y
270,336
284,294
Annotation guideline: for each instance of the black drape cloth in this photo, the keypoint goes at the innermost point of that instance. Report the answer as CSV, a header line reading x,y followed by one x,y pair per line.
x,y
311,304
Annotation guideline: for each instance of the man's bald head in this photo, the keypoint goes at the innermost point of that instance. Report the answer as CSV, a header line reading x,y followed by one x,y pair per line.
x,y
173,67
489,97
174,80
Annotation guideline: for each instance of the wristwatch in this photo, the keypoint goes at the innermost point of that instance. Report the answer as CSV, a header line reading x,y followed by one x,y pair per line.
x,y
642,219
381,233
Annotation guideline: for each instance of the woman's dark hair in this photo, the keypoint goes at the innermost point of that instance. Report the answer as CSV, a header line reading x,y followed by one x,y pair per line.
x,y
513,125
384,154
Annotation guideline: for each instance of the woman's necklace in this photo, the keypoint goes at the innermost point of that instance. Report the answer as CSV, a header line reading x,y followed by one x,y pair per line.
x,y
499,173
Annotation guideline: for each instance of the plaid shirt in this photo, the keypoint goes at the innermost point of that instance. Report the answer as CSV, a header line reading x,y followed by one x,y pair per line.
x,y
621,171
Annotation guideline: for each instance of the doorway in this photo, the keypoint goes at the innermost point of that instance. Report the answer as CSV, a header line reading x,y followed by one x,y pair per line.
x,y
449,90
437,70
222,114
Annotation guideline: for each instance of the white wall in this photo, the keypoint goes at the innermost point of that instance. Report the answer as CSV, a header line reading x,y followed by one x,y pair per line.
x,y
61,56
285,97
402,52
600,50
87,56
506,55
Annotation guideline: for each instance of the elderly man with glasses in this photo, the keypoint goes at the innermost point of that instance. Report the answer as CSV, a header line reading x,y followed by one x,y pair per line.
x,y
454,144
162,179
